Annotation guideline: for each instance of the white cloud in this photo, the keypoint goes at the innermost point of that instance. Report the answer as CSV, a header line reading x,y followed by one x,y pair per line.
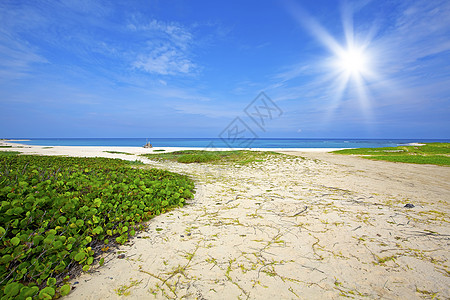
x,y
422,29
17,58
166,50
164,60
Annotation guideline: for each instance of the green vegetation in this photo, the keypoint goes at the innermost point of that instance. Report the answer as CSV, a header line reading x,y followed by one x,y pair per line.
x,y
58,214
118,152
3,146
159,150
214,157
9,153
433,153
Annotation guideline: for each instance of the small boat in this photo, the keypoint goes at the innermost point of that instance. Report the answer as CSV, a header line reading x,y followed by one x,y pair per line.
x,y
148,145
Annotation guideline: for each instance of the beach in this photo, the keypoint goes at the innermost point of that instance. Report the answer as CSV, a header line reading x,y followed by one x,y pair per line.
x,y
308,224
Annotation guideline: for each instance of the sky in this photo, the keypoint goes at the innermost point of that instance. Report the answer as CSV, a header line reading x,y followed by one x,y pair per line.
x,y
278,68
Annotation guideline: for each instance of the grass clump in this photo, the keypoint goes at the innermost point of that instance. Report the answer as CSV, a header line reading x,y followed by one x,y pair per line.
x,y
5,146
433,153
213,157
57,214
118,152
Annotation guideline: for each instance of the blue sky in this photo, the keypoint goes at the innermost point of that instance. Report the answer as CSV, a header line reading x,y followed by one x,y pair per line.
x,y
87,68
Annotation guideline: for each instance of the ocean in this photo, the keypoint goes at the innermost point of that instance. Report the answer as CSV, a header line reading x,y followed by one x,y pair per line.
x,y
224,143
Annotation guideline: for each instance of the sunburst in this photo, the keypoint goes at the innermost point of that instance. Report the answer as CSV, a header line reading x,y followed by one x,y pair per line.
x,y
353,61
349,69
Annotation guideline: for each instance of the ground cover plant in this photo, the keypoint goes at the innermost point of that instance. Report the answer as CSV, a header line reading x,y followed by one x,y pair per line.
x,y
9,153
118,152
432,153
58,214
214,157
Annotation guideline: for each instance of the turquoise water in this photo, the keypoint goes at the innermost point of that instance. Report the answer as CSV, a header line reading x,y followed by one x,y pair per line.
x,y
224,143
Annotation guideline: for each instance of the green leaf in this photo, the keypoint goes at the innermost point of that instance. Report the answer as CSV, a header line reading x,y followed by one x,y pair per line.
x,y
28,291
97,202
47,293
37,239
15,241
65,290
2,231
51,281
57,244
6,259
97,230
80,256
86,268
48,290
101,262
12,289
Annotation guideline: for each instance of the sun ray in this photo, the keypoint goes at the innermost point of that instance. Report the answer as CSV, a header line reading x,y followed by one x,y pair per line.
x,y
350,64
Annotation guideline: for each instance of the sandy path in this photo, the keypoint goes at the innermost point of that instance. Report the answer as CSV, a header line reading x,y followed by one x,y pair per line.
x,y
288,228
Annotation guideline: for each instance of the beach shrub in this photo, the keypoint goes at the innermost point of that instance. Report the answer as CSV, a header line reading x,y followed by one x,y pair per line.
x,y
213,157
58,214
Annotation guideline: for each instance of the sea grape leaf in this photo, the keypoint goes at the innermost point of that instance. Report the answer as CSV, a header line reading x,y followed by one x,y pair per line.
x,y
51,281
47,293
97,230
12,289
80,256
65,290
2,231
28,291
97,202
15,241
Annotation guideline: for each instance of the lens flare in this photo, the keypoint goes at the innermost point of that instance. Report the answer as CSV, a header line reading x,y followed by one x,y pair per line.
x,y
353,61
349,70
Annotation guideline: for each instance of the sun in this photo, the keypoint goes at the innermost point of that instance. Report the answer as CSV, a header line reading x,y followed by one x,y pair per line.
x,y
353,61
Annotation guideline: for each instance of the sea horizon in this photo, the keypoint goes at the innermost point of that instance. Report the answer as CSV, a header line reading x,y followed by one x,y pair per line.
x,y
226,143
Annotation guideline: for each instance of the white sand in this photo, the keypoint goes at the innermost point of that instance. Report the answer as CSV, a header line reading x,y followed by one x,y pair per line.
x,y
324,226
